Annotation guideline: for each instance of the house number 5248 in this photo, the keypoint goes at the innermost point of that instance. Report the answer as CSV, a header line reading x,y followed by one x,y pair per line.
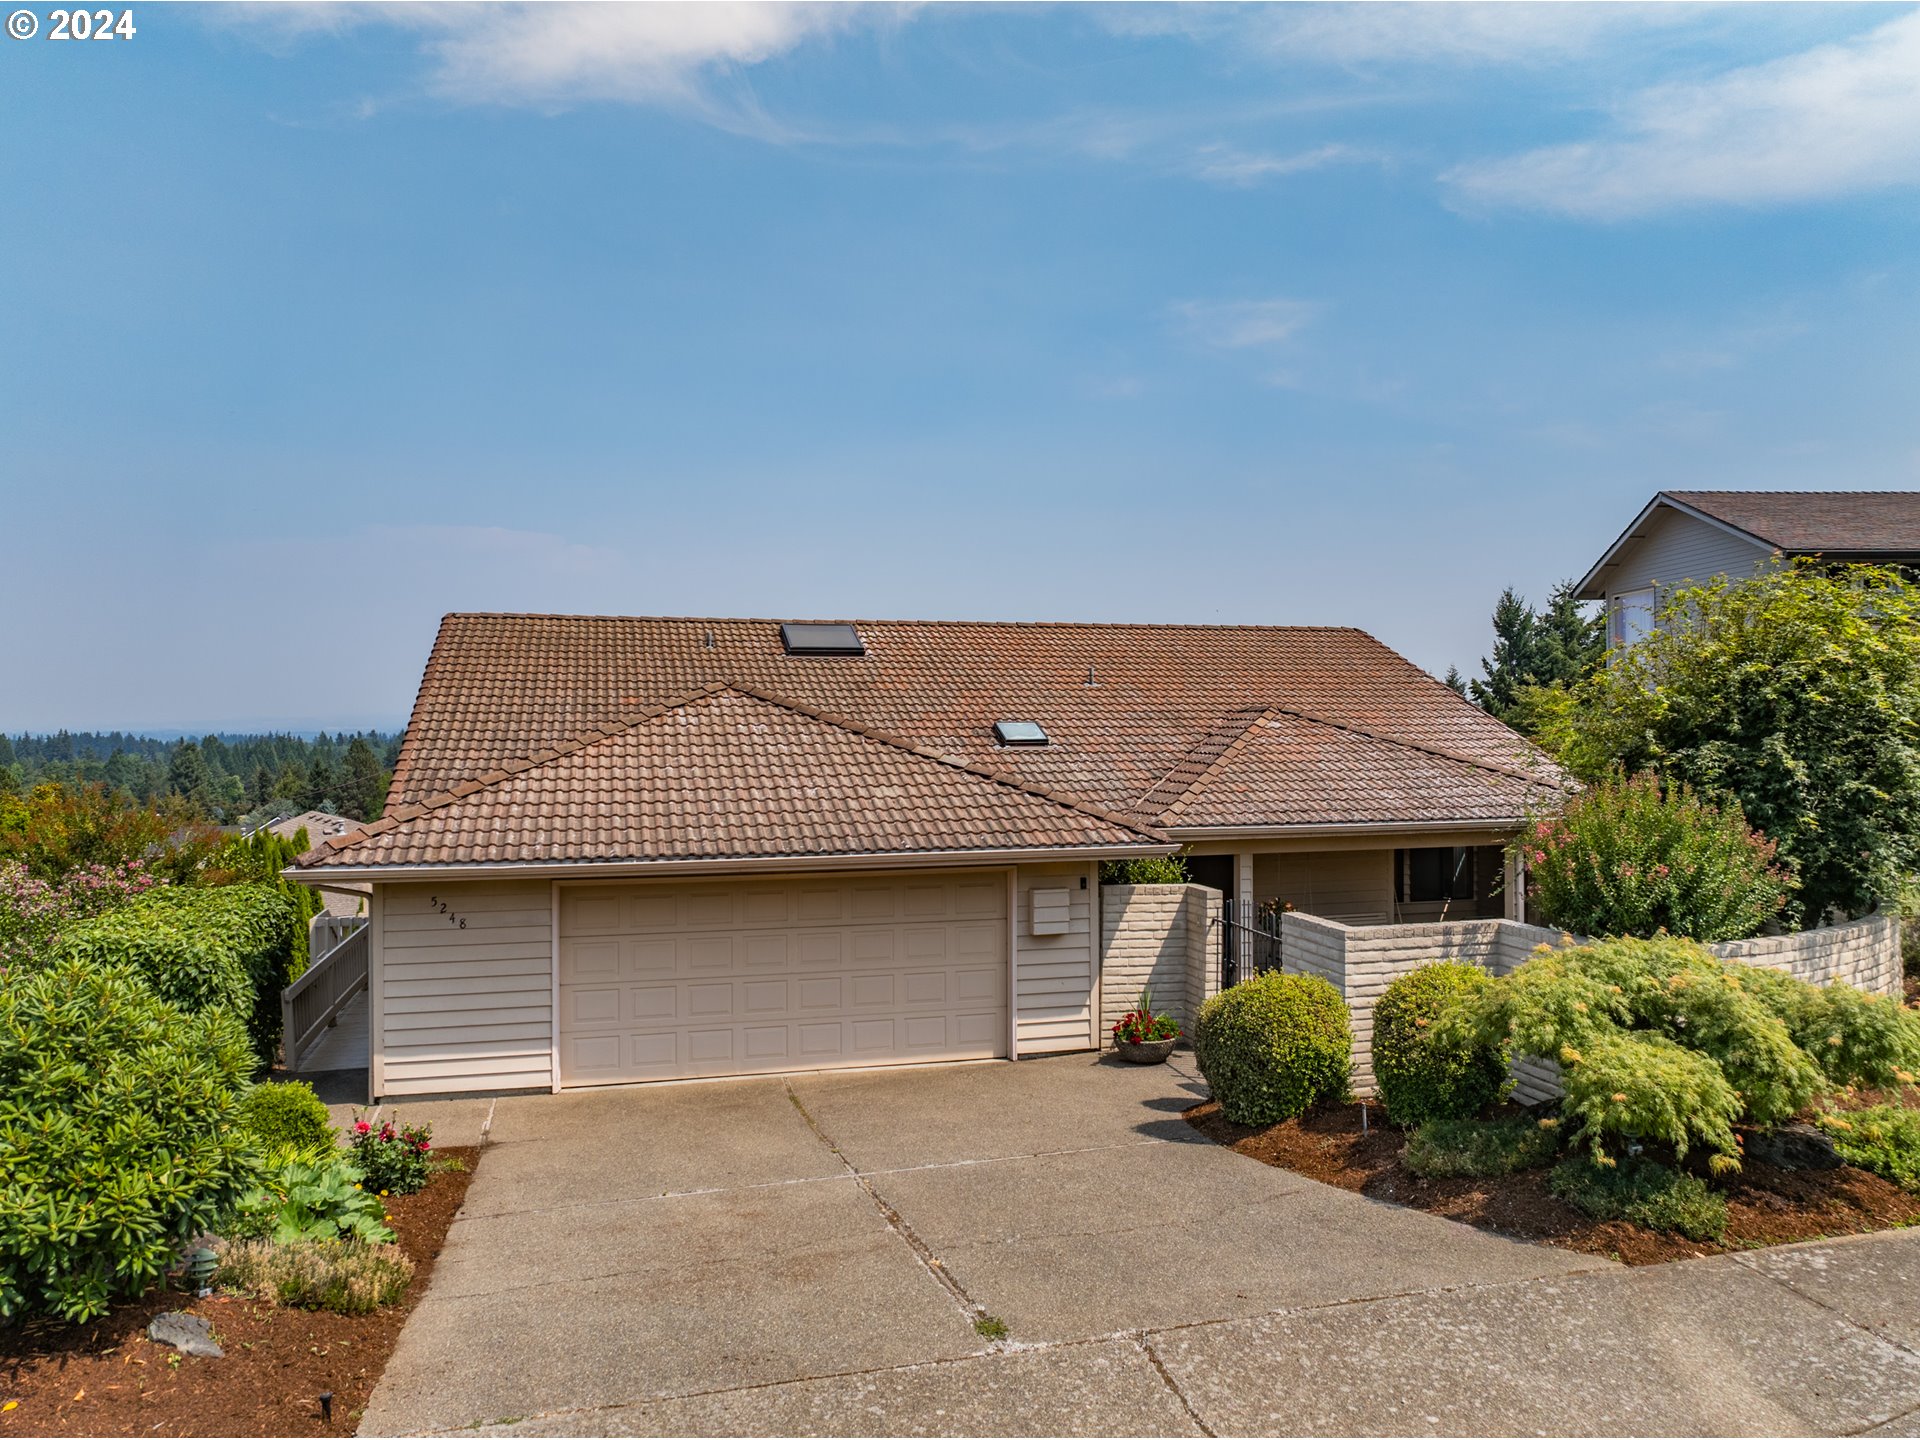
x,y
439,907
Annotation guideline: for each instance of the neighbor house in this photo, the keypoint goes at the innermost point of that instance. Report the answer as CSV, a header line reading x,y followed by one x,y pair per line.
x,y
626,849
1693,536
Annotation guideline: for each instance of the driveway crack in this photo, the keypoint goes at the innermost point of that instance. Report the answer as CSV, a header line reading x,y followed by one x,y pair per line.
x,y
1173,1386
895,1221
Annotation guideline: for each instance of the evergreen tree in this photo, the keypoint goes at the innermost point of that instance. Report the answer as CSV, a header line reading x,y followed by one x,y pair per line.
x,y
1556,647
1514,661
6,751
323,783
189,778
260,788
1455,681
363,784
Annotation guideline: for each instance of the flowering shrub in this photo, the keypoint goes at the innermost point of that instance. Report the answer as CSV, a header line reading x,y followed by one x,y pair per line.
x,y
393,1160
1660,1042
33,912
1628,858
1141,1024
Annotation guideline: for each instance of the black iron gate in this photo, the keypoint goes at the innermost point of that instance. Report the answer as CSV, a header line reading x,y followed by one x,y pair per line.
x,y
1246,949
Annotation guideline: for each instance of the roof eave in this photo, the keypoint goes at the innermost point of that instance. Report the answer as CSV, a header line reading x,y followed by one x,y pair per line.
x,y
318,876
1341,829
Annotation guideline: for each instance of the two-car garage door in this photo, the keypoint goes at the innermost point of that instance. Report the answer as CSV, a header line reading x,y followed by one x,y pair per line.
x,y
664,981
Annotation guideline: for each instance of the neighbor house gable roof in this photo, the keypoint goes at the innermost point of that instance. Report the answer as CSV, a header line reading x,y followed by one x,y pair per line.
x,y
1282,768
727,773
1122,704
1864,524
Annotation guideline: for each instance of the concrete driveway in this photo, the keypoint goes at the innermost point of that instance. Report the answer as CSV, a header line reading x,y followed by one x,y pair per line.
x,y
811,1255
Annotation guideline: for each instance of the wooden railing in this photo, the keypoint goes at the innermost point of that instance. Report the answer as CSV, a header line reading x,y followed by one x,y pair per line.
x,y
312,1004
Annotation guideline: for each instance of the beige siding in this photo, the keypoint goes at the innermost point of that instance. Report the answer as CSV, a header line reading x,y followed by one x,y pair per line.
x,y
1678,548
1055,974
463,1007
1351,885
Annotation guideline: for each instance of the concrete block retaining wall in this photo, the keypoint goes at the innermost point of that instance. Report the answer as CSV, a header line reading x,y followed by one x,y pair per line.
x,y
1362,960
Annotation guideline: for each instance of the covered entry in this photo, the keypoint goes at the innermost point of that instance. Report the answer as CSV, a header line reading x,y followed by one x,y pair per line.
x,y
674,980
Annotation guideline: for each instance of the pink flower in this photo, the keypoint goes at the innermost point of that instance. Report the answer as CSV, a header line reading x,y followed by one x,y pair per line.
x,y
362,1126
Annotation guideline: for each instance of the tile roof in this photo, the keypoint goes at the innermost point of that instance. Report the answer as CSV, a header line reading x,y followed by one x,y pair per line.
x,y
502,686
1872,522
1279,767
726,773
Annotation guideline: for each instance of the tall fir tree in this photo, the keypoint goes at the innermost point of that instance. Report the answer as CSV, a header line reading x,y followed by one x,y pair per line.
x,y
1557,646
363,784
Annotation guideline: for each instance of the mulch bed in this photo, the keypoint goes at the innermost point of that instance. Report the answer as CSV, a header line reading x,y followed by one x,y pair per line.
x,y
1765,1206
107,1378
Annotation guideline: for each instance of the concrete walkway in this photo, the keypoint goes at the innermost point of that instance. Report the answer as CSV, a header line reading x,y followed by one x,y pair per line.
x,y
810,1255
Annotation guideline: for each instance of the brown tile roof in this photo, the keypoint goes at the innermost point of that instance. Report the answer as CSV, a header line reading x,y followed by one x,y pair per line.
x,y
725,773
1867,522
1283,768
502,686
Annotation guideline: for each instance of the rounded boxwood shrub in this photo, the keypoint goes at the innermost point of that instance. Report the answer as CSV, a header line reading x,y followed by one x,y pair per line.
x,y
1274,1045
286,1116
1426,1076
117,1135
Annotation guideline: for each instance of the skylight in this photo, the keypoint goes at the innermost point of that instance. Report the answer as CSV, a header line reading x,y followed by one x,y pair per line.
x,y
821,640
1019,732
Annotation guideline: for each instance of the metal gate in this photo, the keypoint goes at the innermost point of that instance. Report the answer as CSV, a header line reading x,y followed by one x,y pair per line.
x,y
1247,950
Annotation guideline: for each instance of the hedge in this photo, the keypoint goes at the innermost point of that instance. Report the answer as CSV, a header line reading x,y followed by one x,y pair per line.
x,y
224,947
1423,1076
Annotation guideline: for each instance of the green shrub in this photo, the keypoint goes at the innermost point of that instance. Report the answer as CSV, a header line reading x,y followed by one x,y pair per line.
x,y
349,1276
1423,1076
1145,870
1480,1147
1644,1193
310,1197
118,1139
227,947
1883,1138
396,1160
1660,1041
1273,1046
1629,857
287,1115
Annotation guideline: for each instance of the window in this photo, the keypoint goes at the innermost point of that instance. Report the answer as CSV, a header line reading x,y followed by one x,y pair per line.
x,y
821,640
1434,873
1019,732
1630,615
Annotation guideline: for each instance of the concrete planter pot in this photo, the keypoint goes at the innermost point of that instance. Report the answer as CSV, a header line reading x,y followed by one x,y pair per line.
x,y
1144,1052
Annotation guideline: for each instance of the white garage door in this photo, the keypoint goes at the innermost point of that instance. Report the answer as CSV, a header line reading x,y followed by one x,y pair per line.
x,y
666,981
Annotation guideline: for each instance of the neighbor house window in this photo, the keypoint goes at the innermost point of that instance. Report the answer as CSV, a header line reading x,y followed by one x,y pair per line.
x,y
1630,615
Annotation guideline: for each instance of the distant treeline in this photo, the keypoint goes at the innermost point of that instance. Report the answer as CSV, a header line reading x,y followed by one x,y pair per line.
x,y
223,777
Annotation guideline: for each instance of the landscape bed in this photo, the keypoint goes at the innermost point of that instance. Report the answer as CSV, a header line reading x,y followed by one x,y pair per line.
x,y
1765,1205
107,1378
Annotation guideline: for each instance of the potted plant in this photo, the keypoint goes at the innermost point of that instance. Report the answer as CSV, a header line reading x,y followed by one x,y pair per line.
x,y
1141,1037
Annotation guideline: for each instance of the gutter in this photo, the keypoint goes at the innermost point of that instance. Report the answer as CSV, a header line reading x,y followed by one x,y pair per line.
x,y
318,877
1343,830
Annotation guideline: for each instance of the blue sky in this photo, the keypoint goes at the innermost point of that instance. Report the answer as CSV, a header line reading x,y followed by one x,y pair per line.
x,y
317,322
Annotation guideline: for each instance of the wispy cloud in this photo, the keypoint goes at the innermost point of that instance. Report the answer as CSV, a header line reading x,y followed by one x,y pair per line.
x,y
1837,119
1229,165
558,54
1243,324
1385,33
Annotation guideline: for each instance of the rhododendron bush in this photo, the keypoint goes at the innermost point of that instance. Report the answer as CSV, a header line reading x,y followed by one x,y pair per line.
x,y
33,912
1631,857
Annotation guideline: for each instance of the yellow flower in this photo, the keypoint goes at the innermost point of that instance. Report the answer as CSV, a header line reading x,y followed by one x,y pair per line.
x,y
383,1194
